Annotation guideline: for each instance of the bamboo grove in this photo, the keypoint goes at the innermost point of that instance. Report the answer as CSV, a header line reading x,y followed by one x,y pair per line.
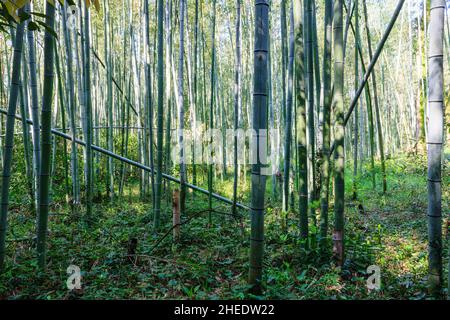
x,y
105,90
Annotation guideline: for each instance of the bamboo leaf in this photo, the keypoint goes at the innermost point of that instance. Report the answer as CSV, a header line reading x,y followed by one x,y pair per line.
x,y
47,28
32,26
38,14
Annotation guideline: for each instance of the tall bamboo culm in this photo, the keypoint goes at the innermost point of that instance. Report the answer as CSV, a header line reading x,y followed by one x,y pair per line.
x,y
325,167
181,111
88,106
300,97
258,182
9,138
237,100
34,106
284,66
72,108
211,106
46,147
160,119
339,155
434,142
288,120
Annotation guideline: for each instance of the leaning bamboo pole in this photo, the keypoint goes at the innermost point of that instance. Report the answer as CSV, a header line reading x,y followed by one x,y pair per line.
x,y
372,65
136,164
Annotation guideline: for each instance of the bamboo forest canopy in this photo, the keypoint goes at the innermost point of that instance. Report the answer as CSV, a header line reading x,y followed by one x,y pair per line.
x,y
291,142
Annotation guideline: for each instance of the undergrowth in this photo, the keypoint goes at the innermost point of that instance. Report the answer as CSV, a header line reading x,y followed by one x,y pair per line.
x,y
211,261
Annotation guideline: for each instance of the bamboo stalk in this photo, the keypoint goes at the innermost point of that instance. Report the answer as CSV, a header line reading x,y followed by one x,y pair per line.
x,y
262,9
46,147
9,139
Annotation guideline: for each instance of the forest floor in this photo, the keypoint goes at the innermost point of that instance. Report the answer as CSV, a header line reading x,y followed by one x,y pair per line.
x,y
211,261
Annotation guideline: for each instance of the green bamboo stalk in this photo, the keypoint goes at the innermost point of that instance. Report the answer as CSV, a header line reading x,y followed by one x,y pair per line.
x,y
371,137
237,100
23,104
289,106
181,110
310,110
284,55
71,103
125,137
34,105
46,147
356,116
262,9
315,44
211,106
79,62
284,67
196,91
9,139
160,120
149,101
435,140
300,97
125,106
109,101
272,111
339,171
168,90
63,122
88,101
192,100
325,168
